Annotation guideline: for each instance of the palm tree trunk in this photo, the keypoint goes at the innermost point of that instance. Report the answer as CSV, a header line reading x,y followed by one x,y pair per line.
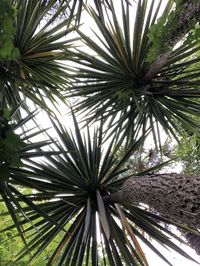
x,y
175,196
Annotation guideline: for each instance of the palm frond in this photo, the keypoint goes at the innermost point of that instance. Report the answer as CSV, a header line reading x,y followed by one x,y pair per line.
x,y
16,147
76,8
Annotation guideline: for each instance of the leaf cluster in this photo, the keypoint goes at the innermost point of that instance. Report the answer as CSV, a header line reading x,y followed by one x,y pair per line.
x,y
40,71
113,84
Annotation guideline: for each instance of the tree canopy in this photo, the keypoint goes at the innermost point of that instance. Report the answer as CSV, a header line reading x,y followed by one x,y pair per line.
x,y
84,85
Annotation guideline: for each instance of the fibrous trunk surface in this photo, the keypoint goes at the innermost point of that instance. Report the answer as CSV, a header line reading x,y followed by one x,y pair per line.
x,y
174,196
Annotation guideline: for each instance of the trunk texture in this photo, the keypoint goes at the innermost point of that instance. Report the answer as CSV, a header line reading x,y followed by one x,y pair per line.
x,y
175,196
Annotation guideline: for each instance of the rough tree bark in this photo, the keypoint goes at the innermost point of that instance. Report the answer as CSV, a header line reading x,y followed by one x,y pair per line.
x,y
174,196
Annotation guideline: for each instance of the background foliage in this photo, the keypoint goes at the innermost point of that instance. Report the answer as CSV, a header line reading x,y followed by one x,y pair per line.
x,y
8,51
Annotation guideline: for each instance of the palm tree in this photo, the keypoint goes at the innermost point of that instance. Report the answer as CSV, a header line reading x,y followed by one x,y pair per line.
x,y
71,187
73,177
142,75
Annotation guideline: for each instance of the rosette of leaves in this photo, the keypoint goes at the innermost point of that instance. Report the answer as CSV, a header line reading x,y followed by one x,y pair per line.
x,y
68,200
117,81
43,43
